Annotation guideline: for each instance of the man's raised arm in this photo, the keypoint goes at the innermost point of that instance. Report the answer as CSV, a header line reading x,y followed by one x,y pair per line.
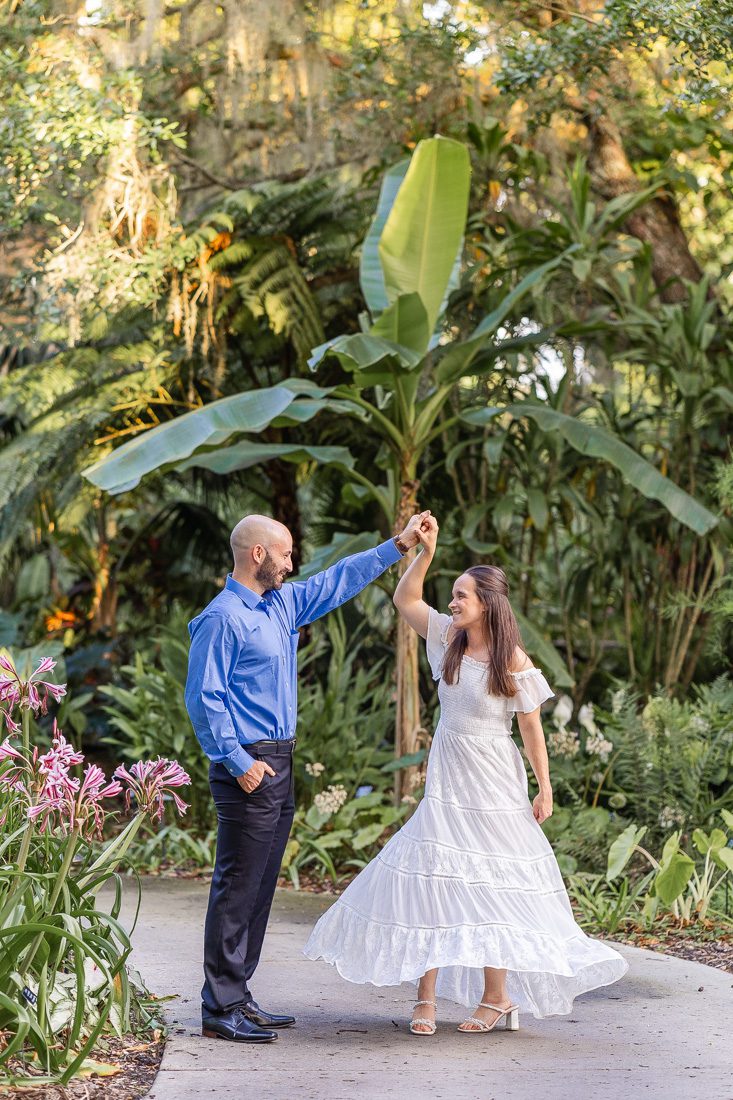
x,y
342,581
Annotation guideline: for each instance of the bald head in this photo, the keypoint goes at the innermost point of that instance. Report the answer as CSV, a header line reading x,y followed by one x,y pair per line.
x,y
262,549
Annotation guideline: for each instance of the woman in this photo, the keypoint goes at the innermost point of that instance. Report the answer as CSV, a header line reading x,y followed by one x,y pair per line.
x,y
467,898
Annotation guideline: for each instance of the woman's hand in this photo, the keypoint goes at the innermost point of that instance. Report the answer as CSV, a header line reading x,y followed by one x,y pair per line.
x,y
427,534
542,806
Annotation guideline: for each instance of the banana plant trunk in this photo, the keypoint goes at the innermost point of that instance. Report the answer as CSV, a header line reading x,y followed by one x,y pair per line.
x,y
407,724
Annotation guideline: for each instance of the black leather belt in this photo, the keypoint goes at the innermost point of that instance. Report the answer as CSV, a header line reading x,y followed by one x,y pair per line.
x,y
267,748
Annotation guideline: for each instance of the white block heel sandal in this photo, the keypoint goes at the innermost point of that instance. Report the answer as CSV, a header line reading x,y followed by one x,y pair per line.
x,y
429,1024
509,1015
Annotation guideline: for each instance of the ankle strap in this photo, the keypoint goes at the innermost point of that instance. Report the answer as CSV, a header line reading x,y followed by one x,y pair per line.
x,y
496,1008
426,1003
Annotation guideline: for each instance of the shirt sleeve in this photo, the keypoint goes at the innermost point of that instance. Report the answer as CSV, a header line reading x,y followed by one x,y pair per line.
x,y
532,691
330,588
437,640
212,657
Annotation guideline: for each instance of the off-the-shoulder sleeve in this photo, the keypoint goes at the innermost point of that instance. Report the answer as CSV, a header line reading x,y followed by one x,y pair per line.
x,y
532,691
437,640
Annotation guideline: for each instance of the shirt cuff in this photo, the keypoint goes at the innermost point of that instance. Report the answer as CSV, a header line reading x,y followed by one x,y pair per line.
x,y
238,762
387,550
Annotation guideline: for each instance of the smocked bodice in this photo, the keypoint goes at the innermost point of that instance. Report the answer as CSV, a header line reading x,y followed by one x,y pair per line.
x,y
465,706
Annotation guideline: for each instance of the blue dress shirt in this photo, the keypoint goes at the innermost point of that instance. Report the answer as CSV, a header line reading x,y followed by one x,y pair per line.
x,y
242,666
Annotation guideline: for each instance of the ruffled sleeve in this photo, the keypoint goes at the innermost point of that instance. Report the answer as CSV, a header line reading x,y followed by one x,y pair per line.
x,y
437,640
532,691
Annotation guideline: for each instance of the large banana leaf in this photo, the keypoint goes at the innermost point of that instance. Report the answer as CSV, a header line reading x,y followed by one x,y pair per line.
x,y
223,460
405,322
371,275
362,350
208,426
591,439
423,232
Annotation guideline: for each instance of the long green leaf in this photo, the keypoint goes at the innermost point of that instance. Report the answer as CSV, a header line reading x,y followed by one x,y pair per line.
x,y
340,546
424,229
371,275
247,453
458,359
214,423
362,350
591,439
544,651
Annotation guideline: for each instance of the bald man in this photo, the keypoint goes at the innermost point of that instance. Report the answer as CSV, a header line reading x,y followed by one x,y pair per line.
x,y
241,695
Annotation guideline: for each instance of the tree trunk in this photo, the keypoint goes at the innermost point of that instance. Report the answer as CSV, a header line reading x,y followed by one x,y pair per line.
x,y
656,223
103,612
407,725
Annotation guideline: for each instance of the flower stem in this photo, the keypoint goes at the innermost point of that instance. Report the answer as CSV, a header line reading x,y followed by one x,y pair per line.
x,y
25,719
71,847
17,886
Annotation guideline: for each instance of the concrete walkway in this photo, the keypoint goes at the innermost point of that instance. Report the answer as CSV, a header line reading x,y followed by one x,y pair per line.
x,y
663,1031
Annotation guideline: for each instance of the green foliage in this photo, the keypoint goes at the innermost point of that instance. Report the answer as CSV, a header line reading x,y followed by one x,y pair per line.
x,y
149,717
585,48
345,712
606,907
324,842
686,885
673,763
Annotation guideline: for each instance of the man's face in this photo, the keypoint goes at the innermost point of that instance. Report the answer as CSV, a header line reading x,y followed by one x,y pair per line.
x,y
276,565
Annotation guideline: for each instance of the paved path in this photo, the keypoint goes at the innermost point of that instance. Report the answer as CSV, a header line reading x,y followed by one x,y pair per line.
x,y
663,1031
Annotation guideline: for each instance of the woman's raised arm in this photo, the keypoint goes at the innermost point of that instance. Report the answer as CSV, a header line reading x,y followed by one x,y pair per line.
x,y
408,595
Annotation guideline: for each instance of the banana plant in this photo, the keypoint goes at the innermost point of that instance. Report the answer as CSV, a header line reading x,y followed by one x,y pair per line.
x,y
400,371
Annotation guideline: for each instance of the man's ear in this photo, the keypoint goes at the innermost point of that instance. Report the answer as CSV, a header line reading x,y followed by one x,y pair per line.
x,y
259,553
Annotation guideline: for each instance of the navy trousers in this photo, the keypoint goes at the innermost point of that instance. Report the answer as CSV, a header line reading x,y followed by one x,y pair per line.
x,y
252,833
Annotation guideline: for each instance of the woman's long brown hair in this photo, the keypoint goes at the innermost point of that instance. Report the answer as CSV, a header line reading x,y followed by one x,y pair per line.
x,y
500,629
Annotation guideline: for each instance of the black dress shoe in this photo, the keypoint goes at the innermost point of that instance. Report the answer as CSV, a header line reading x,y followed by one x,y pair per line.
x,y
236,1027
258,1016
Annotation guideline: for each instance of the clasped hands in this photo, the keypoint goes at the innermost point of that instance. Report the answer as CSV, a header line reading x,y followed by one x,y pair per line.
x,y
422,529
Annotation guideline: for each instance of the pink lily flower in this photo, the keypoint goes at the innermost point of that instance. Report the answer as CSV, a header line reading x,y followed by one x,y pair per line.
x,y
148,781
32,693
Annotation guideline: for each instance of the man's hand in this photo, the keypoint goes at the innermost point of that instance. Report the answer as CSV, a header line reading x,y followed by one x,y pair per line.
x,y
251,780
409,536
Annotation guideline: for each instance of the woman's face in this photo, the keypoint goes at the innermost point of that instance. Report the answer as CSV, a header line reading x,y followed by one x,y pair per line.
x,y
465,606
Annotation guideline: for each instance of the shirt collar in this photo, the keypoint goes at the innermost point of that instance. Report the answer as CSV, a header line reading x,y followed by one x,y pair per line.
x,y
247,596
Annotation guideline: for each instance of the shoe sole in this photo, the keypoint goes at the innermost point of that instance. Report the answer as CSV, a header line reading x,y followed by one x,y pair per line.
x,y
233,1039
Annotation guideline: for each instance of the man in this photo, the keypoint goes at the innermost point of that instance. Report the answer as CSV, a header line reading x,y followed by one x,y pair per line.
x,y
241,697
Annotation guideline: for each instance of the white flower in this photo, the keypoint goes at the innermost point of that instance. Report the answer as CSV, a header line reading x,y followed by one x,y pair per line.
x,y
618,701
563,711
698,724
585,717
331,800
669,816
599,746
564,742
315,769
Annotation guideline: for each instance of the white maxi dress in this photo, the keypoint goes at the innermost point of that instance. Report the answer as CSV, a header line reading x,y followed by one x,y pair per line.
x,y
470,880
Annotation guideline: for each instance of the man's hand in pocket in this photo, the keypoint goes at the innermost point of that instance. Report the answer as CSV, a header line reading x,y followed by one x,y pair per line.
x,y
251,780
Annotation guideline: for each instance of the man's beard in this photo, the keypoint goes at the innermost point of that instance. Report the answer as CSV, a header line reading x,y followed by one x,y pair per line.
x,y
268,574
